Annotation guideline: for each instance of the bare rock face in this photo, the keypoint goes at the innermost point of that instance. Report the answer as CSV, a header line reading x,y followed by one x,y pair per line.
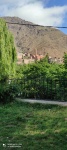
x,y
29,38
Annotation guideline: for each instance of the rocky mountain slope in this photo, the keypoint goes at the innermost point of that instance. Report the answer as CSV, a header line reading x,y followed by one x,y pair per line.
x,y
29,38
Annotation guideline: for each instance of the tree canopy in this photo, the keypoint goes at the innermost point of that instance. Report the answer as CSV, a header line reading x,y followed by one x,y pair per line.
x,y
7,52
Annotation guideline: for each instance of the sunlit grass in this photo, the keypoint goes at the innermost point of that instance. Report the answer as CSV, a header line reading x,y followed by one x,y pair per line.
x,y
35,126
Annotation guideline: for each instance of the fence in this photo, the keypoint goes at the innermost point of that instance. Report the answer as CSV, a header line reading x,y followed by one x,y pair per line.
x,y
38,88
41,88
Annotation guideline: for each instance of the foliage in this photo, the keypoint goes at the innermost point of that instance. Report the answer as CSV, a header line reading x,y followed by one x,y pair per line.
x,y
8,91
33,76
41,68
7,52
65,60
20,70
43,80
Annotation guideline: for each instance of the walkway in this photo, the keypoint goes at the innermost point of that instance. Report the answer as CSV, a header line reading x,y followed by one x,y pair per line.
x,y
43,101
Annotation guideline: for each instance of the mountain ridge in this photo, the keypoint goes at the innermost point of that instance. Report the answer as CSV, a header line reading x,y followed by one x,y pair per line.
x,y
29,39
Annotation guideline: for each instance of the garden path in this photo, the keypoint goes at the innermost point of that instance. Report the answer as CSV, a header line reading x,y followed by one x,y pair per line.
x,y
43,101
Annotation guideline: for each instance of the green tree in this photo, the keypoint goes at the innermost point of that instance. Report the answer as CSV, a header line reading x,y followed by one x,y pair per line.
x,y
65,60
7,52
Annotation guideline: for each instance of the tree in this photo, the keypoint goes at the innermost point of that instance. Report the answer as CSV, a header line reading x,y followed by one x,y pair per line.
x,y
7,52
65,60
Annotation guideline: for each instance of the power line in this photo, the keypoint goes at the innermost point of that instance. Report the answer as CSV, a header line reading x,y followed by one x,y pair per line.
x,y
36,25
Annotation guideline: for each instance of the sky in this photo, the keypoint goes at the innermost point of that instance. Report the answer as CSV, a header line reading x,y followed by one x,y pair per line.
x,y
42,12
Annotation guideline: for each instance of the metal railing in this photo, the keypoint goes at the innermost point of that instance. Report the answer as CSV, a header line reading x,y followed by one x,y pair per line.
x,y
40,88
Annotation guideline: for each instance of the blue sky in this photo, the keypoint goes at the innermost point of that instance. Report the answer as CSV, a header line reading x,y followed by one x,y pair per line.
x,y
42,12
56,3
53,3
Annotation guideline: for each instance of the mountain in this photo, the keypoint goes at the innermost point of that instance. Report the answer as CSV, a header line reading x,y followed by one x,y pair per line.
x,y
32,39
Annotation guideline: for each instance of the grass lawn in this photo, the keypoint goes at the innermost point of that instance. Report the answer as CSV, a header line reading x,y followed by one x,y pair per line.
x,y
33,127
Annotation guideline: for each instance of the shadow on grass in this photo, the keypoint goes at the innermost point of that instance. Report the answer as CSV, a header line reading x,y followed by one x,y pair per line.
x,y
39,105
16,116
52,141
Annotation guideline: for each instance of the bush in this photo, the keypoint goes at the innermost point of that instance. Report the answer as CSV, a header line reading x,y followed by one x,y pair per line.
x,y
8,92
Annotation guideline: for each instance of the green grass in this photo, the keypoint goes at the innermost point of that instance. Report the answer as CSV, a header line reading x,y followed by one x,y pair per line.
x,y
35,126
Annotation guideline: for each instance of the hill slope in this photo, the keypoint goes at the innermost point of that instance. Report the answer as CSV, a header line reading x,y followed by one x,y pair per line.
x,y
29,38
